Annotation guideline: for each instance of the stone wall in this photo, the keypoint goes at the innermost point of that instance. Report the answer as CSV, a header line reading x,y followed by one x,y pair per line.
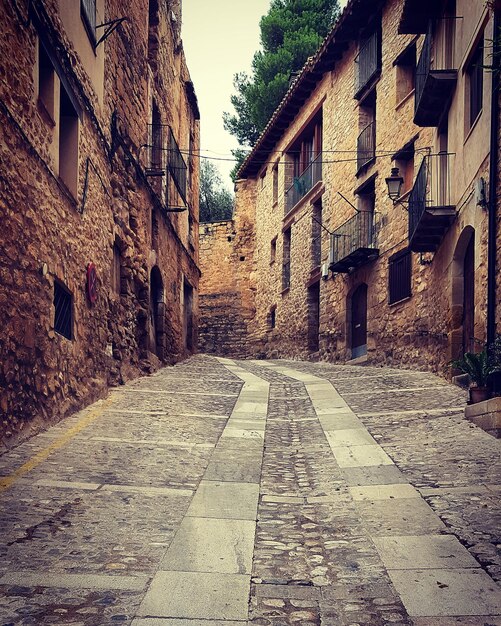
x,y
51,233
424,330
227,292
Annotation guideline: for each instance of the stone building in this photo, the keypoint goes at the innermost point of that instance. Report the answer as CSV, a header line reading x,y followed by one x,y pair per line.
x,y
98,201
341,271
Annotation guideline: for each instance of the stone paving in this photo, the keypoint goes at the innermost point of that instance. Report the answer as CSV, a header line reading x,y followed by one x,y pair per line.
x,y
220,492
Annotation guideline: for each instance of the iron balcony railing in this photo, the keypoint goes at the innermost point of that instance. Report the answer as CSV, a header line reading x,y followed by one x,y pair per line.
x,y
88,12
366,145
176,166
302,184
367,62
359,233
431,190
155,149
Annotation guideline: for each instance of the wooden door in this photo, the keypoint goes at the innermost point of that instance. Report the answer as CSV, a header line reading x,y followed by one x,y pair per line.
x,y
313,317
469,297
359,322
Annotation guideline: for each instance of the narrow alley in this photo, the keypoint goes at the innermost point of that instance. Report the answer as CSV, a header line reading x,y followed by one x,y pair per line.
x,y
224,492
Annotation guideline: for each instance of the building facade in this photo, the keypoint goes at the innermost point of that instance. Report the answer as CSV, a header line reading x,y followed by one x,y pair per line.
x,y
399,90
98,201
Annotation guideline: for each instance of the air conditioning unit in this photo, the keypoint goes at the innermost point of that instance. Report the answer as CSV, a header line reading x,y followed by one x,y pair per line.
x,y
325,271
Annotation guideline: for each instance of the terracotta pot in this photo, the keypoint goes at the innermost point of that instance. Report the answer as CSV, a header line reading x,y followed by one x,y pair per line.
x,y
479,394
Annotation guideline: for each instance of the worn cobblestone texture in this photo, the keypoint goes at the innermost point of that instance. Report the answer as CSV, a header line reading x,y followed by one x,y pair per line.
x,y
86,529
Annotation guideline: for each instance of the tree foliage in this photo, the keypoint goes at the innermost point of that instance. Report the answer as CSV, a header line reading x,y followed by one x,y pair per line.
x,y
216,202
291,31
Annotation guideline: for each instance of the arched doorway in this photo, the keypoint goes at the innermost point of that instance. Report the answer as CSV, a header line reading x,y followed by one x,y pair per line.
x,y
463,294
359,321
157,308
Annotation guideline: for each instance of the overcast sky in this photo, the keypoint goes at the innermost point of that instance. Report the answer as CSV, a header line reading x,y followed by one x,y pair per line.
x,y
220,38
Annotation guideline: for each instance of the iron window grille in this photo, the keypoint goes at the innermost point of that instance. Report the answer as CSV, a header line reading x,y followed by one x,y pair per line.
x,y
88,13
400,272
63,313
176,166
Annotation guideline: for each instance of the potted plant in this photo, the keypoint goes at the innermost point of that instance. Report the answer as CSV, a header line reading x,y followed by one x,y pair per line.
x,y
479,367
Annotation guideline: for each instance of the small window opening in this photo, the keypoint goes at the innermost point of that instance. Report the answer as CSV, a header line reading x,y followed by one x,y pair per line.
x,y
68,143
46,76
63,310
405,72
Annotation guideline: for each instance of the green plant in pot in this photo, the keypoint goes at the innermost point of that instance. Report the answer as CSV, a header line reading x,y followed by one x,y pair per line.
x,y
479,367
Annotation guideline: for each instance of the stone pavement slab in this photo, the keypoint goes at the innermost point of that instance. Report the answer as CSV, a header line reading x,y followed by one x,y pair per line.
x,y
361,456
444,592
225,500
74,581
349,437
423,552
403,516
185,622
211,545
383,492
197,595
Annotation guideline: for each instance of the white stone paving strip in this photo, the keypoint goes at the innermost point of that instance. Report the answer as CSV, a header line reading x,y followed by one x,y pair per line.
x,y
74,581
434,574
204,577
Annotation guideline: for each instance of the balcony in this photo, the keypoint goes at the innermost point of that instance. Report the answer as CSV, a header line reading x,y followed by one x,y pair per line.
x,y
176,167
431,211
434,88
366,146
367,63
303,184
354,243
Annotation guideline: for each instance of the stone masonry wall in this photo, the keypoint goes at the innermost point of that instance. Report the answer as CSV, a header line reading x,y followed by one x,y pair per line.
x,y
50,234
425,330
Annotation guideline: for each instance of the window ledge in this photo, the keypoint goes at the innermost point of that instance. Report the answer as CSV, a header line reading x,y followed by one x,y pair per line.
x,y
44,112
285,291
401,103
472,127
275,204
397,302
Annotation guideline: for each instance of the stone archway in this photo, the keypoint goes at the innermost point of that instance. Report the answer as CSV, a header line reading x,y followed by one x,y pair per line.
x,y
157,313
463,294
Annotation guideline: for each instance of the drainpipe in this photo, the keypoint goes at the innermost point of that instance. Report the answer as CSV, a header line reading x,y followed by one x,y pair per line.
x,y
493,178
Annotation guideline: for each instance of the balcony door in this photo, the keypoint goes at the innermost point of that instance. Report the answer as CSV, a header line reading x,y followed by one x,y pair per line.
x,y
359,322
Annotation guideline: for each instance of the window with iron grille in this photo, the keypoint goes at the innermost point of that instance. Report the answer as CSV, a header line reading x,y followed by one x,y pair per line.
x,y
63,310
400,269
88,13
475,74
286,264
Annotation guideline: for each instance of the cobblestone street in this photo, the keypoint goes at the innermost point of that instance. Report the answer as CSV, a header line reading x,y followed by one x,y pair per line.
x,y
268,493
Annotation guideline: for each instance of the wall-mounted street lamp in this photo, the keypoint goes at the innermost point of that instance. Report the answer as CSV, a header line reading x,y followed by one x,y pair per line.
x,y
394,183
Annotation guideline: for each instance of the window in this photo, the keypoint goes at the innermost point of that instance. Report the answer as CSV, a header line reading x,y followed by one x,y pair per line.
x,y
63,313
286,265
316,235
405,72
88,13
261,179
275,183
400,268
273,250
272,318
366,142
475,83
116,269
68,143
404,160
46,75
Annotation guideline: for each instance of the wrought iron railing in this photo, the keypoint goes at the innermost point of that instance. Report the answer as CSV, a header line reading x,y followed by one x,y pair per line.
x,y
176,166
155,148
367,61
423,69
358,232
431,189
88,12
366,145
302,184
286,274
